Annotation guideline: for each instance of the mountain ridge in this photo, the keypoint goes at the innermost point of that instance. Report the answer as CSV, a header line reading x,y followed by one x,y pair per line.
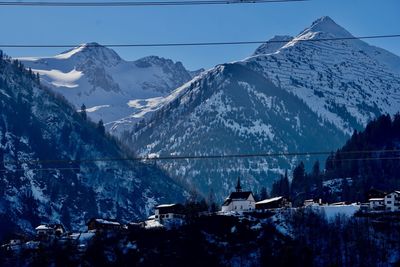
x,y
98,77
338,84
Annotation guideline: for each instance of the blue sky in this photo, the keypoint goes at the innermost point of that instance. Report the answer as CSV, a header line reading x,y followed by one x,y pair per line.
x,y
49,25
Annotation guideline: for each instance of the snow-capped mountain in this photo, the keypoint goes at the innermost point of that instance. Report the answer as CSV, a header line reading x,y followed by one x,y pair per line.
x,y
111,88
346,82
48,171
290,95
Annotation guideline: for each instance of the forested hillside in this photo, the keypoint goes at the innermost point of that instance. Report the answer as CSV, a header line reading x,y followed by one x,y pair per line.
x,y
54,162
369,159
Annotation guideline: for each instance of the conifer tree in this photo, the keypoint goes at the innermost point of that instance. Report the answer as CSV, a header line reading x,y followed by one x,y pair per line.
x,y
83,112
263,193
100,127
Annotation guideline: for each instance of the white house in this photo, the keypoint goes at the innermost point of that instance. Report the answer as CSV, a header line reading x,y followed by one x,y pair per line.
x,y
376,203
392,201
239,201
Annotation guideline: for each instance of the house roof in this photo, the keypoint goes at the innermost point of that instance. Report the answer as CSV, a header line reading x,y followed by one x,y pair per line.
x,y
104,222
165,206
227,202
237,196
269,200
376,199
50,227
44,227
170,208
240,195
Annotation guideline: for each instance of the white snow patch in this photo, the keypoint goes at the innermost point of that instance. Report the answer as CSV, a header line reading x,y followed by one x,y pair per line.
x,y
61,79
96,108
331,211
70,53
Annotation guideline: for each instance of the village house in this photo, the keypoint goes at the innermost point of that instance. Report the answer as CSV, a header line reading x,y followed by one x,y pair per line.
x,y
239,201
50,230
168,211
273,203
312,202
377,203
103,225
392,201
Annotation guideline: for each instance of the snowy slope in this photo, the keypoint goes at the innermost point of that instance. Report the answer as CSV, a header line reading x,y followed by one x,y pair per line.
x,y
96,76
38,128
289,96
346,82
232,110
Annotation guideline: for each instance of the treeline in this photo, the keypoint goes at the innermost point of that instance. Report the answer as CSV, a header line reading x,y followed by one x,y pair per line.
x,y
346,241
369,158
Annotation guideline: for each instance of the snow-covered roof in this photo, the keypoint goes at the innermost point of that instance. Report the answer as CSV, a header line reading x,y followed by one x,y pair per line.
x,y
49,227
376,199
102,221
43,227
165,206
269,200
153,224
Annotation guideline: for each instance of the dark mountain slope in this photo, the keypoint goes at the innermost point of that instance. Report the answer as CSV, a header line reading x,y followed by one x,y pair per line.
x,y
233,110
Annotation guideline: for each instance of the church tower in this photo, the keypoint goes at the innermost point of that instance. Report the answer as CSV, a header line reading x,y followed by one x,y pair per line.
x,y
238,186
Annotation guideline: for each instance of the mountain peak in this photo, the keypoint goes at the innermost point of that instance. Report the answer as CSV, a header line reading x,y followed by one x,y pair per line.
x,y
328,26
91,50
273,44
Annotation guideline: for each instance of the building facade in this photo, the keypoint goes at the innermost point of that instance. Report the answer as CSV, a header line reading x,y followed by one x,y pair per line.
x,y
377,203
392,201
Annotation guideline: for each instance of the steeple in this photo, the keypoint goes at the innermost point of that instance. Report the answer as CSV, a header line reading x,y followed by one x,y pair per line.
x,y
238,186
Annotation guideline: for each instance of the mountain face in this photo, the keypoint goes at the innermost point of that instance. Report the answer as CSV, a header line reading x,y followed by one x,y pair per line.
x,y
111,88
346,82
290,95
47,171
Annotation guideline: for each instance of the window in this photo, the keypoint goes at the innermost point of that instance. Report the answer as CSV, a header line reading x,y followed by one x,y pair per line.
x,y
166,216
389,202
156,216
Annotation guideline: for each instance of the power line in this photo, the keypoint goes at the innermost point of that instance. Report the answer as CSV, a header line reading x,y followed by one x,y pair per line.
x,y
197,43
189,157
109,169
140,3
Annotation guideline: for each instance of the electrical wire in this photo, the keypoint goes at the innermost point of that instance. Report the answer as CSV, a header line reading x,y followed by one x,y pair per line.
x,y
139,3
110,169
190,157
120,45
